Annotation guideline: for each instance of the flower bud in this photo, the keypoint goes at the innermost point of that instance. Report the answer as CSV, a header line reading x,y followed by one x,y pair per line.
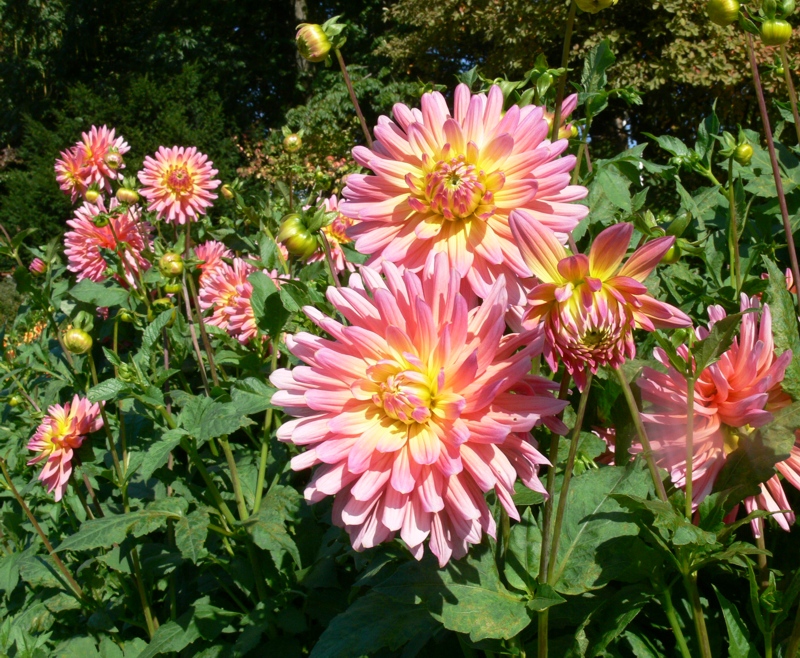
x,y
312,42
127,195
38,266
593,6
125,315
14,401
171,265
722,12
786,8
113,159
292,143
775,32
92,195
672,256
227,192
77,341
173,288
743,154
159,306
296,237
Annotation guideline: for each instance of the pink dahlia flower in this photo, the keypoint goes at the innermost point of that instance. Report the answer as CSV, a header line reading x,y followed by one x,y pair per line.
x,y
71,173
416,409
447,182
178,183
102,153
124,233
589,306
61,433
38,266
211,253
731,397
336,234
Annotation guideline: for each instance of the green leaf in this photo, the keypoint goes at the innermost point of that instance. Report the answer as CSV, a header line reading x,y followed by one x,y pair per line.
x,y
106,390
206,419
615,187
190,535
157,453
596,543
597,62
706,134
371,623
251,395
172,636
467,596
784,326
268,526
270,313
671,144
522,557
546,597
738,638
708,351
154,329
613,616
9,572
100,294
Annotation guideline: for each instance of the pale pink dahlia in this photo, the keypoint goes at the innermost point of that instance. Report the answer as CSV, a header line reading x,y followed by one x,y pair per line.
x,y
102,157
124,233
589,306
447,182
336,234
61,432
731,397
178,183
71,174
211,254
416,409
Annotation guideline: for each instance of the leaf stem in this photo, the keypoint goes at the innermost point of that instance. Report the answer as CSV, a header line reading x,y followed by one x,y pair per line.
x,y
776,171
353,97
642,434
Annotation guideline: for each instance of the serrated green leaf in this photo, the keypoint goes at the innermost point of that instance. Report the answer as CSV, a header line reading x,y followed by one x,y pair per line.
x,y
251,396
106,390
672,145
158,452
206,419
615,187
739,645
708,351
270,313
268,525
153,331
522,557
108,293
784,326
190,535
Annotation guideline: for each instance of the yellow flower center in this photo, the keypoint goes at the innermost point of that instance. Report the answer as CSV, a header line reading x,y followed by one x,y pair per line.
x,y
455,188
178,180
405,396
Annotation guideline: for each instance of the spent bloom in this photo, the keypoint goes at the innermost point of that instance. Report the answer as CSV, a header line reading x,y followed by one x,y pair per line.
x,y
178,183
731,398
416,409
124,233
446,182
61,433
589,305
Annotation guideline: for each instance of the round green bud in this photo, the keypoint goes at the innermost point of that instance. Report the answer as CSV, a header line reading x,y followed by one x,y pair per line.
x,y
77,341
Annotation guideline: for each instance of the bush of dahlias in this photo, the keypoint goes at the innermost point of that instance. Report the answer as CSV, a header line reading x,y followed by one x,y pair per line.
x,y
481,396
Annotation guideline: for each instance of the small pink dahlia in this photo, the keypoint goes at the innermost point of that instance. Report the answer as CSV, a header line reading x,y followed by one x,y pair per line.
x,y
124,233
211,253
71,174
589,305
416,409
731,397
38,266
102,157
61,433
446,182
336,233
178,183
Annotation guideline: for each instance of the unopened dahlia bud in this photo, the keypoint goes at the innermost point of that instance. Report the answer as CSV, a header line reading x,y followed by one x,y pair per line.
x,y
113,159
38,266
14,401
296,237
77,341
173,288
786,8
292,143
312,42
159,306
593,6
125,315
723,12
743,154
227,192
127,195
171,265
92,195
775,32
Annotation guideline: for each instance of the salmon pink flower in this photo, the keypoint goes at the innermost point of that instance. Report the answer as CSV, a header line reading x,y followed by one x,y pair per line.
x,y
124,233
446,182
416,409
61,433
731,398
221,288
178,183
211,253
589,306
71,174
102,156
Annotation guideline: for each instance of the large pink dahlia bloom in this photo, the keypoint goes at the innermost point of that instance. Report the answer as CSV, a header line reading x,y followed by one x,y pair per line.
x,y
589,305
446,182
178,183
416,409
731,397
124,233
61,433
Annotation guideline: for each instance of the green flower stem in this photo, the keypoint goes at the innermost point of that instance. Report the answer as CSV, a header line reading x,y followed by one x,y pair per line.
x,y
112,448
642,434
237,485
149,618
14,252
690,581
562,500
203,334
258,576
787,72
95,503
544,615
562,81
733,233
262,464
198,354
64,350
61,566
353,97
776,171
190,448
326,247
794,639
666,601
82,497
281,259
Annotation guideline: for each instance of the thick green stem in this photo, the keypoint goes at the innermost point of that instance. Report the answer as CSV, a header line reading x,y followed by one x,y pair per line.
x,y
776,170
733,235
149,618
237,485
353,97
690,581
262,464
562,500
642,434
191,450
326,247
562,81
787,72
672,616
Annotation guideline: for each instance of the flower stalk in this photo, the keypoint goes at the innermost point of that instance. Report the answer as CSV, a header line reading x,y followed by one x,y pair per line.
x,y
787,72
353,97
562,81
